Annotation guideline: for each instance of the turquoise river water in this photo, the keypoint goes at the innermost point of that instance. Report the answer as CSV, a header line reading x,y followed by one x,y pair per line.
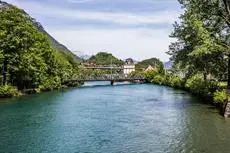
x,y
141,118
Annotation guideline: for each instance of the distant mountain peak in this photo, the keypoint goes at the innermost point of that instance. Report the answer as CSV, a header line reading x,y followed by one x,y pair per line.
x,y
82,55
168,64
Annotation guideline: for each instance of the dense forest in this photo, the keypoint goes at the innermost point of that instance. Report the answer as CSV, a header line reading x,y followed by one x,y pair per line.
x,y
28,60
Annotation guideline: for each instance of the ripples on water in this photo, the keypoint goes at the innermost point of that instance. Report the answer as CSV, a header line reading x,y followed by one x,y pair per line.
x,y
112,119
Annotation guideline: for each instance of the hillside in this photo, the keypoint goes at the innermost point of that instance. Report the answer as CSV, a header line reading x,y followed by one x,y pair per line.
x,y
53,41
28,59
104,58
147,62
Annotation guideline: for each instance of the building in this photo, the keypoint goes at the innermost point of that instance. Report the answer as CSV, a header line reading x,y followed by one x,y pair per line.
x,y
129,66
149,68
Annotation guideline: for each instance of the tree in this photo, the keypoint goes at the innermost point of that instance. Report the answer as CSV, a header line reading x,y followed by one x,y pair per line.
x,y
27,58
201,38
227,9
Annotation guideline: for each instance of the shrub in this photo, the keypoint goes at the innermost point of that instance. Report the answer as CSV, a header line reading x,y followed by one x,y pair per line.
x,y
172,81
222,85
198,86
150,75
50,84
220,96
176,81
7,91
158,79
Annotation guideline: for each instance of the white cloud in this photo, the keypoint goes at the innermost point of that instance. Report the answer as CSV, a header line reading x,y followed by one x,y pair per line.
x,y
162,17
136,43
120,18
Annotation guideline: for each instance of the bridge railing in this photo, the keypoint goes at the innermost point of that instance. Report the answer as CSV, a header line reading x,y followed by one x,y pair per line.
x,y
111,77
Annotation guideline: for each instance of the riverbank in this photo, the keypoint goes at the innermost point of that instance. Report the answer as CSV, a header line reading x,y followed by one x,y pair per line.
x,y
9,91
212,91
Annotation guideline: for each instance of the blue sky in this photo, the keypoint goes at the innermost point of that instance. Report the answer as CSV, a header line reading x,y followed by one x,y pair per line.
x,y
127,28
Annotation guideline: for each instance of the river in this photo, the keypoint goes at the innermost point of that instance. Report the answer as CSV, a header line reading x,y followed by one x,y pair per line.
x,y
140,118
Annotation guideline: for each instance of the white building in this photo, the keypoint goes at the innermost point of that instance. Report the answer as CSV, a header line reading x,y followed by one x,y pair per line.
x,y
129,66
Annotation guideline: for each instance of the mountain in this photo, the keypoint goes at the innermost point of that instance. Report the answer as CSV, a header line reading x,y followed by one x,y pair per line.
x,y
168,65
147,62
103,58
82,55
52,41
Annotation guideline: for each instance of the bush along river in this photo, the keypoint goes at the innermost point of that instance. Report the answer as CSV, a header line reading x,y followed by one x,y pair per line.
x,y
140,118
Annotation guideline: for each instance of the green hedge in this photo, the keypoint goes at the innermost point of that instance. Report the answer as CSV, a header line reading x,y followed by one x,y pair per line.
x,y
195,84
7,91
201,87
172,81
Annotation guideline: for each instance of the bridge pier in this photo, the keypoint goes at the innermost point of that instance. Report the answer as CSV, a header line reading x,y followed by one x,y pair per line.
x,y
112,83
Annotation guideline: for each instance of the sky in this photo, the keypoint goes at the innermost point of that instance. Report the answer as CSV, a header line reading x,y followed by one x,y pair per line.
x,y
137,29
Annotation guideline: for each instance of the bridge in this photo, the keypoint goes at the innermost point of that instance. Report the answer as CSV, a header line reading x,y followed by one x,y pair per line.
x,y
110,68
110,77
116,77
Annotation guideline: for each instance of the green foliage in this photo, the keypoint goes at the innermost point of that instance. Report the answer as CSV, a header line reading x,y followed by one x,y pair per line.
x,y
156,63
152,61
7,91
197,85
202,39
50,84
27,59
169,80
104,58
159,79
133,73
149,75
220,96
222,85
205,43
176,82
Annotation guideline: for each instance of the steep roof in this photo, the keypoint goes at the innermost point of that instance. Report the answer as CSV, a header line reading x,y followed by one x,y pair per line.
x,y
149,68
